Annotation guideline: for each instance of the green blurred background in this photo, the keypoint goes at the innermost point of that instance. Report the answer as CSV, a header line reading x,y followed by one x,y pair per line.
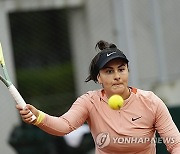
x,y
43,60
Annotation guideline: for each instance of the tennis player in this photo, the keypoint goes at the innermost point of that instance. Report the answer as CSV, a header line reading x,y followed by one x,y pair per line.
x,y
129,130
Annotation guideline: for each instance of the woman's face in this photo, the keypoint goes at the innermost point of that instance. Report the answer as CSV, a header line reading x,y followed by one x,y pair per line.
x,y
114,78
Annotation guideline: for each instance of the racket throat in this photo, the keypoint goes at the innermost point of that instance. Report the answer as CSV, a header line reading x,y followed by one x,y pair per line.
x,y
6,75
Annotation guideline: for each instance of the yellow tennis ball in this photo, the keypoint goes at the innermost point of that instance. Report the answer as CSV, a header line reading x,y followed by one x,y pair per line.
x,y
115,102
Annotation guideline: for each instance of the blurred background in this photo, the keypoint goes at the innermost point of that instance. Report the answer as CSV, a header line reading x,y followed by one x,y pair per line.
x,y
48,45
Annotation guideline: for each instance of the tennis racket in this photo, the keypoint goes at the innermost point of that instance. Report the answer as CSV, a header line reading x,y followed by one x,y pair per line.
x,y
12,89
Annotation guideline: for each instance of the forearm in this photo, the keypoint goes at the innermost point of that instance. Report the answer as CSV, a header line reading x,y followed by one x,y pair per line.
x,y
58,126
66,123
71,120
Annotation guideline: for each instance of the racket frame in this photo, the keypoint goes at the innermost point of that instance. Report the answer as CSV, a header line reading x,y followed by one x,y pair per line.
x,y
12,89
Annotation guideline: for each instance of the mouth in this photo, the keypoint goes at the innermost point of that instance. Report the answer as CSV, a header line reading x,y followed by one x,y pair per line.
x,y
117,85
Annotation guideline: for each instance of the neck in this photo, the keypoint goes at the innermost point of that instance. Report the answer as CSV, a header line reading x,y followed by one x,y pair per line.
x,y
127,93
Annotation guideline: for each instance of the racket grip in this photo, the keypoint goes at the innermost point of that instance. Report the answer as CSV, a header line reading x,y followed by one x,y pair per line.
x,y
18,98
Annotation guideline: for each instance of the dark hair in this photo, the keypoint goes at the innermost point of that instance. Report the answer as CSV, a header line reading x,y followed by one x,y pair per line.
x,y
102,47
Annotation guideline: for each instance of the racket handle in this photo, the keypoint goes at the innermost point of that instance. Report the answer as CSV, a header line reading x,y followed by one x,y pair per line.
x,y
18,98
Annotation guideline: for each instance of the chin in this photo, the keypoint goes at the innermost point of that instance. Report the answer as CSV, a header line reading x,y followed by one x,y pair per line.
x,y
118,91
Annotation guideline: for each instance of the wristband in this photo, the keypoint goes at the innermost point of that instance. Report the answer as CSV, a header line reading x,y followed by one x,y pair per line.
x,y
40,118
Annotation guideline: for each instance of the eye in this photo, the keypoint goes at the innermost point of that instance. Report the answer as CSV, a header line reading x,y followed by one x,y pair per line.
x,y
121,69
109,71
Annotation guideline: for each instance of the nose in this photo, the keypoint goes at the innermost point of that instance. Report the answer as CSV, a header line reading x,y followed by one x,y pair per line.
x,y
116,75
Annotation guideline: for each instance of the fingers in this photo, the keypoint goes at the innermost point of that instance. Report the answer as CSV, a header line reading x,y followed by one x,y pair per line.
x,y
18,107
27,112
26,115
33,109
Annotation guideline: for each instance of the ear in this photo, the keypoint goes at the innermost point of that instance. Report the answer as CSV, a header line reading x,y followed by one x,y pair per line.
x,y
99,79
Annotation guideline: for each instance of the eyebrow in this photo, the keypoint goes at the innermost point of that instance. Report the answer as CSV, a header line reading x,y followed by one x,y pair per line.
x,y
111,67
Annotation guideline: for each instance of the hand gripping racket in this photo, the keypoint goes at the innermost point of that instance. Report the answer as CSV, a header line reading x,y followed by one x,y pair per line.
x,y
12,89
